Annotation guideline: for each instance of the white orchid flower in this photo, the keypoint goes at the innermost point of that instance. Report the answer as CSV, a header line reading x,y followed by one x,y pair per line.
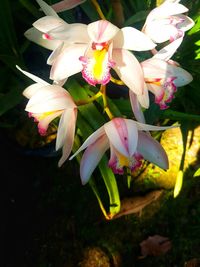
x,y
163,76
167,22
52,22
107,47
46,102
93,50
128,143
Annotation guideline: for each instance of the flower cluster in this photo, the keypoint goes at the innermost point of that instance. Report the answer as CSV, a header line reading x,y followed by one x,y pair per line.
x,y
96,51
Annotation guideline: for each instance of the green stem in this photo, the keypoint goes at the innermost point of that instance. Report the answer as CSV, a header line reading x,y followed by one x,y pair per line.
x,y
99,11
105,103
89,100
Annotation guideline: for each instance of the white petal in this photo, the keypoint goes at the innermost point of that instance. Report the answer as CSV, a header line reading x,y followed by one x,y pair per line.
x,y
160,32
33,77
55,54
92,156
136,107
132,39
50,98
65,135
65,126
132,136
67,63
48,23
36,36
122,134
102,31
32,89
154,68
148,127
187,23
129,70
165,10
152,150
90,140
168,51
73,33
144,98
47,9
182,76
60,82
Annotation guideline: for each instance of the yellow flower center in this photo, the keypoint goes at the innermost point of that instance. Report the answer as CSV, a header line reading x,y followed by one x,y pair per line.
x,y
99,56
42,116
123,161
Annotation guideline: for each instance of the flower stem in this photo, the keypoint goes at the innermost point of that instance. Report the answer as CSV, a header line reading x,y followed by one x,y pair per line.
x,y
105,103
116,81
99,11
89,100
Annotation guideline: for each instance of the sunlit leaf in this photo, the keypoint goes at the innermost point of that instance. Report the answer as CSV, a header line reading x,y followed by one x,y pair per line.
x,y
111,186
178,184
197,173
93,120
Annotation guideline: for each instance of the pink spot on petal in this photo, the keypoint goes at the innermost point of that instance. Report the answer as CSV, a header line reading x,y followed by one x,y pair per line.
x,y
46,36
122,131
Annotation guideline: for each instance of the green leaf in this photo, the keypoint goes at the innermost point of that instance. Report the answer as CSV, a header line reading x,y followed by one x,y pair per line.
x,y
88,111
197,173
90,10
90,119
176,115
124,106
196,27
98,196
31,8
11,61
111,186
7,33
139,16
178,184
10,100
179,179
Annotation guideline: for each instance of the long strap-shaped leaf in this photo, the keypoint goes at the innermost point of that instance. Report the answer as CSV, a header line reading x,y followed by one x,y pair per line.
x,y
93,119
111,185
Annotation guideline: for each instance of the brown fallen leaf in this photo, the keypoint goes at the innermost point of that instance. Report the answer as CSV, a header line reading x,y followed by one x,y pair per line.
x,y
137,204
155,245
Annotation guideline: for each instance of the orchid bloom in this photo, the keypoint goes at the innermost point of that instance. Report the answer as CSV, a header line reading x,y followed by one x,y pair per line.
x,y
93,50
128,143
166,22
107,47
52,22
46,102
163,76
